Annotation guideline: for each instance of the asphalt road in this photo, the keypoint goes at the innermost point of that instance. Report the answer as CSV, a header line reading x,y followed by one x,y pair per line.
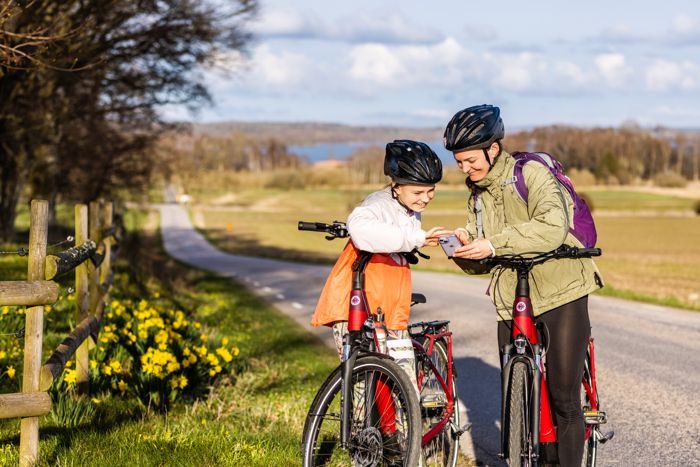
x,y
648,356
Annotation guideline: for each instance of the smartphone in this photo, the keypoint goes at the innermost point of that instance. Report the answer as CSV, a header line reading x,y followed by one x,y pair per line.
x,y
449,243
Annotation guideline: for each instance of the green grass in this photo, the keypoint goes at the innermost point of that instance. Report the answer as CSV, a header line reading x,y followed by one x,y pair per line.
x,y
255,417
648,258
614,200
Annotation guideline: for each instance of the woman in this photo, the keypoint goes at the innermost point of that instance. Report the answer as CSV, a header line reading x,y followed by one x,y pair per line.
x,y
387,223
499,222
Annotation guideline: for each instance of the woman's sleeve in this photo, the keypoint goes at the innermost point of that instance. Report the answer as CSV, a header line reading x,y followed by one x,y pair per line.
x,y
548,212
370,232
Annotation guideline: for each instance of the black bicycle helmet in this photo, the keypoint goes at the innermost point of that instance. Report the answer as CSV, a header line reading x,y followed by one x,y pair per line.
x,y
412,162
476,127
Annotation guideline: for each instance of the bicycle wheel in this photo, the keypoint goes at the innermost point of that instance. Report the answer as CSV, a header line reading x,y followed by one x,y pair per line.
x,y
442,450
517,415
371,441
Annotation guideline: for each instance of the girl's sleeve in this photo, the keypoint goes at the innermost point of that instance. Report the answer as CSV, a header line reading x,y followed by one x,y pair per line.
x,y
370,232
548,212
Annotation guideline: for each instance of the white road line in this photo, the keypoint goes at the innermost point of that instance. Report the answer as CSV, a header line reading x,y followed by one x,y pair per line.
x,y
256,284
297,305
280,296
267,289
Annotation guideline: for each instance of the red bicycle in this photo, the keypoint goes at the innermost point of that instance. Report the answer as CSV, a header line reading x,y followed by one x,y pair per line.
x,y
367,410
528,436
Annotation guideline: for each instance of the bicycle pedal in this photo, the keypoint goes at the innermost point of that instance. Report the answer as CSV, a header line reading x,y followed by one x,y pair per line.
x,y
456,433
595,417
433,401
606,437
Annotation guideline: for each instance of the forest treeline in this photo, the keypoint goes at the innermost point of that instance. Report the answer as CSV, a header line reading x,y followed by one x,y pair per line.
x,y
599,155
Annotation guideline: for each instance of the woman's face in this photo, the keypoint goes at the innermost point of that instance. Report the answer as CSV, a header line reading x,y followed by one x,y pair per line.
x,y
415,197
472,162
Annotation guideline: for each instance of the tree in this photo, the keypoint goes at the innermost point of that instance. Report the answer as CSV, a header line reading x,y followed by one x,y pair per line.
x,y
79,112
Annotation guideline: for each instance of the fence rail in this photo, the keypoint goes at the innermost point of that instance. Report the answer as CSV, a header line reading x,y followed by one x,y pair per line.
x,y
91,260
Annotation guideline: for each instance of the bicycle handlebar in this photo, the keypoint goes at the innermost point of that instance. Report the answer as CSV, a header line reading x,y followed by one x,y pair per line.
x,y
335,230
519,261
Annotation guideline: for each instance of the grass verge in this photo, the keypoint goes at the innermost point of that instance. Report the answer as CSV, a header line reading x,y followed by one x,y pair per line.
x,y
252,417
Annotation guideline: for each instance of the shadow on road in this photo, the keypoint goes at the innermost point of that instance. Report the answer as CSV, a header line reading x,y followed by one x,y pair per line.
x,y
479,384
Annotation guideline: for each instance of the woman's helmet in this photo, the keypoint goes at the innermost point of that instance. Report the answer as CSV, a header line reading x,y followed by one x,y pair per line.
x,y
476,127
412,162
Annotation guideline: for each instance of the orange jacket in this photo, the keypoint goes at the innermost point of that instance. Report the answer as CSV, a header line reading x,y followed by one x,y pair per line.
x,y
387,284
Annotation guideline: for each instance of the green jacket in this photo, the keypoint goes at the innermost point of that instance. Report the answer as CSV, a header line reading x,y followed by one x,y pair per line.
x,y
541,225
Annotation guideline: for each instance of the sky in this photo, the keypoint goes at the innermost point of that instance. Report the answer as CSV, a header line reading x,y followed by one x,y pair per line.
x,y
416,63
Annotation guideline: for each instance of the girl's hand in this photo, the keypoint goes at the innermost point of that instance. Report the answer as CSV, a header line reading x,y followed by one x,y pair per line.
x,y
478,249
432,235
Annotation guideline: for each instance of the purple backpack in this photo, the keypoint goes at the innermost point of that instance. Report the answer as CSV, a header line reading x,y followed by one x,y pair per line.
x,y
583,227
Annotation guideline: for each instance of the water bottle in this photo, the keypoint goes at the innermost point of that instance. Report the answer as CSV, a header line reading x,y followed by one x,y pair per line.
x,y
380,331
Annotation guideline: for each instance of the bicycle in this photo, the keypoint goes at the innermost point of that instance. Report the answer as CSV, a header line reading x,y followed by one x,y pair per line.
x,y
526,409
369,398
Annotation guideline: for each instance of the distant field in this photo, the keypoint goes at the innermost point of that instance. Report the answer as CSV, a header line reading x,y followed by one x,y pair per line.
x,y
656,258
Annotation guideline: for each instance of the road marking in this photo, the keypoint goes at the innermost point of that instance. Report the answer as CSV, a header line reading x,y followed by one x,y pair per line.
x,y
256,284
297,305
267,289
280,296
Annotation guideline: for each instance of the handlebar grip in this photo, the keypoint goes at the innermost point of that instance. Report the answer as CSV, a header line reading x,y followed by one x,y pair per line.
x,y
589,252
313,226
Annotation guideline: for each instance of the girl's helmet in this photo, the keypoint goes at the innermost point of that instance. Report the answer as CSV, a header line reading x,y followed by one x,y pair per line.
x,y
476,127
412,162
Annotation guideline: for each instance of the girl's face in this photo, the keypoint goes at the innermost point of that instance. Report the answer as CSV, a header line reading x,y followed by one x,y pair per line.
x,y
415,197
472,162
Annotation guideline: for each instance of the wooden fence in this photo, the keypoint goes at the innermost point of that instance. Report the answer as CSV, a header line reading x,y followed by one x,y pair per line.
x,y
90,258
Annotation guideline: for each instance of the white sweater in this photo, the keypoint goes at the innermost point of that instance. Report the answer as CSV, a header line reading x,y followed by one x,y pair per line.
x,y
381,225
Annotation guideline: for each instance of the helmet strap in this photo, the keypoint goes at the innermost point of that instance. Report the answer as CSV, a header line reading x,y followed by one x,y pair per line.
x,y
488,159
398,200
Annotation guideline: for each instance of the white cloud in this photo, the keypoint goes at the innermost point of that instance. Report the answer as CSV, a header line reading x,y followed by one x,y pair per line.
x,y
684,24
613,68
286,23
666,75
390,28
268,68
375,63
399,66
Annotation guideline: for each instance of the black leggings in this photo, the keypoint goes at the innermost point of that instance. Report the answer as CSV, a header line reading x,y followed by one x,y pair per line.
x,y
569,330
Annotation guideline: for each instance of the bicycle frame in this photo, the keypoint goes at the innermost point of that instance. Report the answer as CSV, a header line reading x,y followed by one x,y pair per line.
x,y
446,387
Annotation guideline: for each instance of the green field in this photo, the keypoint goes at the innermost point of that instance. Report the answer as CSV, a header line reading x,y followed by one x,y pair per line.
x,y
653,257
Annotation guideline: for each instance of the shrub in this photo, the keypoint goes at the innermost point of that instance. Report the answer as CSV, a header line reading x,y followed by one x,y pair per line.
x,y
287,180
581,177
670,179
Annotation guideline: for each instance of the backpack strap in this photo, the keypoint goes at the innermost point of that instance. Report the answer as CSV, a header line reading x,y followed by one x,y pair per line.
x,y
478,209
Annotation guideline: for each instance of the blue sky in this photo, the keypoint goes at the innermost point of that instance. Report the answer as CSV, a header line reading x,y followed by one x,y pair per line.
x,y
416,63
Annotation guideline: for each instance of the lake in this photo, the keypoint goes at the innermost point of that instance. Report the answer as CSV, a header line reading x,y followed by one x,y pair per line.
x,y
325,151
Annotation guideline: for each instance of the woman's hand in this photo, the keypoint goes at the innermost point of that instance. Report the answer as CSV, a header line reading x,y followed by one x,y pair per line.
x,y
478,249
432,235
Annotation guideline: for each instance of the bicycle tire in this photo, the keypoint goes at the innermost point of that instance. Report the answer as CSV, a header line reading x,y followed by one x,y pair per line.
x,y
367,445
443,450
517,415
590,447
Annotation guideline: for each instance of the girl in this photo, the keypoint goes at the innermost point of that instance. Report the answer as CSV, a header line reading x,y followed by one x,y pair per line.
x,y
387,223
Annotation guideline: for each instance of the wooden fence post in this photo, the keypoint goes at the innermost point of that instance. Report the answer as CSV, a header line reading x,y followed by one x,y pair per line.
x,y
105,268
94,271
82,358
29,427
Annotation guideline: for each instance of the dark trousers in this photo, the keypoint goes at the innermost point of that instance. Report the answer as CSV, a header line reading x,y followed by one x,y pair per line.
x,y
568,331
